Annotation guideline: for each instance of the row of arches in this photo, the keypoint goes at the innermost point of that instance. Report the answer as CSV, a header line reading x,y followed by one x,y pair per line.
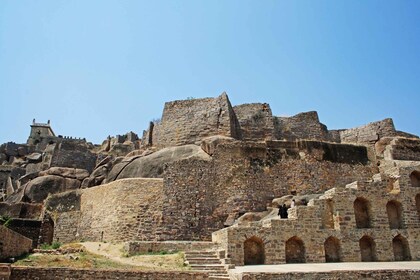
x,y
254,253
394,210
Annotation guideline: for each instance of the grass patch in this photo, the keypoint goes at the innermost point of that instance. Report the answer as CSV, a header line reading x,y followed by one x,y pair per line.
x,y
158,261
54,245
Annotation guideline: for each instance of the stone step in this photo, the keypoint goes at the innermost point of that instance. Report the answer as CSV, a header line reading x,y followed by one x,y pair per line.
x,y
217,277
208,267
192,253
203,261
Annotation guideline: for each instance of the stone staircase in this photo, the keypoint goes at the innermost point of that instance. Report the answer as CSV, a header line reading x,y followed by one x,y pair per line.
x,y
212,262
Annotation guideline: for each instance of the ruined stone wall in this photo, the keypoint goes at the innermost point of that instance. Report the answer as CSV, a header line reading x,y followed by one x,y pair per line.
x,y
369,133
245,177
13,244
188,121
308,224
399,148
301,126
26,273
127,209
255,121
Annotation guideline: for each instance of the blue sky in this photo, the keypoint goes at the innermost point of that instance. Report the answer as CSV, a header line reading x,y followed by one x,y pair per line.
x,y
99,68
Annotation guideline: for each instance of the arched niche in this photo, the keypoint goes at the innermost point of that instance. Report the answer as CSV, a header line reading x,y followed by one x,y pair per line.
x,y
401,248
332,249
394,212
367,249
254,251
415,179
362,213
295,250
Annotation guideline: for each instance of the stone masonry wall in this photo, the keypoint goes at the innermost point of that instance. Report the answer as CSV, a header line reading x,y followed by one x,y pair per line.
x,y
308,224
334,275
127,209
29,273
245,177
255,121
13,244
301,126
369,133
189,121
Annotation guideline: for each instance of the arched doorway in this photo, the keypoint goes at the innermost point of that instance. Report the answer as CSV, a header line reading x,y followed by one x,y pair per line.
x,y
415,179
362,213
295,250
401,248
394,211
367,249
332,249
254,251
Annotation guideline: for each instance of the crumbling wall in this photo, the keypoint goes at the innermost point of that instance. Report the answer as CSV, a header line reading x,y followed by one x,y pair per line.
x,y
255,121
370,133
301,126
189,121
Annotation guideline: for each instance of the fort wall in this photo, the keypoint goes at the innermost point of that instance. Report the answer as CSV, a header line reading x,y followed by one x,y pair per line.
x,y
255,121
189,121
245,177
127,209
388,222
301,126
13,244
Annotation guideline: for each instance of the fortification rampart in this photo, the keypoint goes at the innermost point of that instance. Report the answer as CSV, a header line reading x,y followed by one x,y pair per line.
x,y
127,209
255,121
13,244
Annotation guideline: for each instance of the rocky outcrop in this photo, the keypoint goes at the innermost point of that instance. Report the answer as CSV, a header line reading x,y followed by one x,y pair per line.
x,y
39,188
152,166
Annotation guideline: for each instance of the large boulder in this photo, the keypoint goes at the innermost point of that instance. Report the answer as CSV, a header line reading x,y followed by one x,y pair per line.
x,y
39,188
73,173
151,166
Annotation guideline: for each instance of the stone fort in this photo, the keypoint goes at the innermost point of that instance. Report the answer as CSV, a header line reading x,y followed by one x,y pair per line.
x,y
215,175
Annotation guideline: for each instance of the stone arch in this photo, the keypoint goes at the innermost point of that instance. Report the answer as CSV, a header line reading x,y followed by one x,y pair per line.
x,y
394,211
401,248
295,250
415,179
254,251
362,213
418,204
332,249
367,249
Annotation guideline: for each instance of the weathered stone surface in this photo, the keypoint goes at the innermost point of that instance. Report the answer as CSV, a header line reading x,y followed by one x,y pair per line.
x,y
301,126
34,157
73,173
209,144
255,121
152,166
189,121
39,188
